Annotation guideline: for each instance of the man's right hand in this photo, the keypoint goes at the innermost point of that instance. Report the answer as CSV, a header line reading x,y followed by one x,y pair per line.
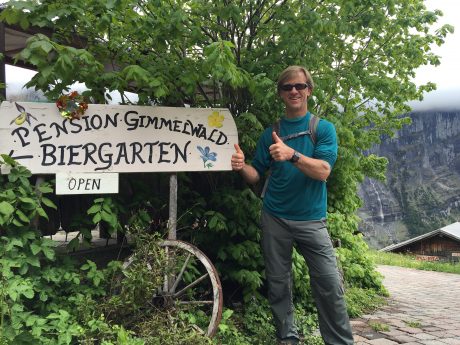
x,y
238,159
249,174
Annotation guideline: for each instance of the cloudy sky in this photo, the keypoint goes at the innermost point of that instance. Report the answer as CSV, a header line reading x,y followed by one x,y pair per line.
x,y
446,76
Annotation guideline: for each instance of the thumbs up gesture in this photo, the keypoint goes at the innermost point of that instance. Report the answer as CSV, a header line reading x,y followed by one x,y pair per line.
x,y
238,158
279,150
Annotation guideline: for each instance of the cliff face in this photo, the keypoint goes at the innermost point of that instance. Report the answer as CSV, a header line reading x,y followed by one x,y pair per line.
x,y
422,191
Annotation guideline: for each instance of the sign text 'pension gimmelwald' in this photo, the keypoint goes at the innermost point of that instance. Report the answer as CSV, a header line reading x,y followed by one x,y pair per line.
x,y
105,154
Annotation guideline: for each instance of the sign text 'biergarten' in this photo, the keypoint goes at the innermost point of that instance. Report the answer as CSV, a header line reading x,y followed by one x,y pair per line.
x,y
117,138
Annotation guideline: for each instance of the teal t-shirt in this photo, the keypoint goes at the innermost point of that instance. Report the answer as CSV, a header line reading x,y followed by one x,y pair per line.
x,y
291,194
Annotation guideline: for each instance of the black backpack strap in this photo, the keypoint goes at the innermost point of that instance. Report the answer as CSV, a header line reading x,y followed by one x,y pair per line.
x,y
312,126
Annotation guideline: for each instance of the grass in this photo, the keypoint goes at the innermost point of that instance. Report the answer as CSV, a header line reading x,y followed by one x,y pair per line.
x,y
379,327
362,301
413,324
405,260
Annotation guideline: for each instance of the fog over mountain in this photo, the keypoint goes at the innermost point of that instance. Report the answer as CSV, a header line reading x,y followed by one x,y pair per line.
x,y
441,99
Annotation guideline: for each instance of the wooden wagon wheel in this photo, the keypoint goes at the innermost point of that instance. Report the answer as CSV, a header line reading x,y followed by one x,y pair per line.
x,y
190,282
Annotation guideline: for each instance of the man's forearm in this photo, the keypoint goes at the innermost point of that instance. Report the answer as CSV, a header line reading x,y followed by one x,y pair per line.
x,y
314,168
249,174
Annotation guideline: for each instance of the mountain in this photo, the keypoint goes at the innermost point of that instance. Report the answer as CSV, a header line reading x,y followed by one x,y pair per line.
x,y
422,188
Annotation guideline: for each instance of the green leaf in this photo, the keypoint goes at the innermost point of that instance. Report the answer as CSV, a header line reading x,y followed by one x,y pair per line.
x,y
33,261
43,296
213,222
22,216
111,4
14,242
49,253
6,208
46,242
48,203
17,223
94,209
25,182
8,160
12,177
35,248
73,244
42,212
13,295
46,46
45,189
97,218
29,293
108,217
27,200
29,235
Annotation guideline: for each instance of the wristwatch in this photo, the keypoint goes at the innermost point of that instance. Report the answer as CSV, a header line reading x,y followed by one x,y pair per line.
x,y
295,157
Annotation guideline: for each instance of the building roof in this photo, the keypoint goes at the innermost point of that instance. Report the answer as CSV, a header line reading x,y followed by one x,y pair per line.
x,y
451,231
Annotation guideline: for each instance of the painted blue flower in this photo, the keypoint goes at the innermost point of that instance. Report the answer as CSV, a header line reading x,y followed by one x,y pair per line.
x,y
206,155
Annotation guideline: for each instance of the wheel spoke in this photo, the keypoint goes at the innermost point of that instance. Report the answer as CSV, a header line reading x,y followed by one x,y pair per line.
x,y
179,276
195,302
192,284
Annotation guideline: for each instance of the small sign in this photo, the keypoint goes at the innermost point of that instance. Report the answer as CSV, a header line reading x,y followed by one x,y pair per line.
x,y
86,183
427,258
455,254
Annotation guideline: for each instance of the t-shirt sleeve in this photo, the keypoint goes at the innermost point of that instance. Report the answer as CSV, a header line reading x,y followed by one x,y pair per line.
x,y
326,143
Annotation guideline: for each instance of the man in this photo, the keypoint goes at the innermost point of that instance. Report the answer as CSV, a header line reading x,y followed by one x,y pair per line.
x,y
294,210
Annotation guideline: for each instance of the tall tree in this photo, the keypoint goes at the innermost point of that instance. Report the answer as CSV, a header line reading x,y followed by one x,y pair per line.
x,y
362,55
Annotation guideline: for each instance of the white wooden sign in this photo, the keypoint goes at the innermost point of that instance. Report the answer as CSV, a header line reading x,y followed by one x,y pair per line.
x,y
111,138
86,183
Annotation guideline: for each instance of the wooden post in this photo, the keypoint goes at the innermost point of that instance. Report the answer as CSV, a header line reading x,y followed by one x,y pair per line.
x,y
172,223
2,62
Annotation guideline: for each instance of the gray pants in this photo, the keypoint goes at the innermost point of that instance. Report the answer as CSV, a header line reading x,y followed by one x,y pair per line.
x,y
314,243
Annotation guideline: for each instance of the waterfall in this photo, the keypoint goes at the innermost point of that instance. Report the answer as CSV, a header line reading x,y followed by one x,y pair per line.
x,y
381,215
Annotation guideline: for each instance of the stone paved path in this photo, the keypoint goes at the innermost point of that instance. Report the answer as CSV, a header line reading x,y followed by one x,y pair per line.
x,y
423,309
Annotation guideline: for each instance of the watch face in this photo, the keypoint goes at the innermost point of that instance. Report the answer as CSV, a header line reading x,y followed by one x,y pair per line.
x,y
295,157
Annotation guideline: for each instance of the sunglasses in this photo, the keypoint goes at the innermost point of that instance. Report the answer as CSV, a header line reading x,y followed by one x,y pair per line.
x,y
289,87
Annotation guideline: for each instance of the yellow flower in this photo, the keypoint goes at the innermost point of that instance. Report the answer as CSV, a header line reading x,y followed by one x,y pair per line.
x,y
215,119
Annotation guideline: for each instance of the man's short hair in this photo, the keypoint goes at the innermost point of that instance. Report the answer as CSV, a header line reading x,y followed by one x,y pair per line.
x,y
292,71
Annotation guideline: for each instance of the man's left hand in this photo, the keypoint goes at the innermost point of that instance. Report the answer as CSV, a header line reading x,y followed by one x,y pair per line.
x,y
279,150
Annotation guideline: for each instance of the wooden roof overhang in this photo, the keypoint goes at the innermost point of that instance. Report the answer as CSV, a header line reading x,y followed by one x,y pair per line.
x,y
13,39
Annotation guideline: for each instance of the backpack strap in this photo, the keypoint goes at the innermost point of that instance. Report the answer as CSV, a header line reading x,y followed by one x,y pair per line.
x,y
312,126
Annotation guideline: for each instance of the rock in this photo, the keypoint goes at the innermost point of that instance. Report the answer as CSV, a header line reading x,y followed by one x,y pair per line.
x,y
422,191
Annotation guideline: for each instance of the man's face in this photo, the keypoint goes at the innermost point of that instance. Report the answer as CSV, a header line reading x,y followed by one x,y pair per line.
x,y
295,100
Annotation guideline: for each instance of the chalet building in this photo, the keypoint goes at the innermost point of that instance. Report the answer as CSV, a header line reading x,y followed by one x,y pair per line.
x,y
439,245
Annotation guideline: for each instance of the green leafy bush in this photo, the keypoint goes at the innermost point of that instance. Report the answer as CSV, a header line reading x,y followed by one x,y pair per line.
x,y
45,298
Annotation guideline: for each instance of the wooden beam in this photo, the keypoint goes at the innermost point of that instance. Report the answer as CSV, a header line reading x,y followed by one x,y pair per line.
x,y
2,63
